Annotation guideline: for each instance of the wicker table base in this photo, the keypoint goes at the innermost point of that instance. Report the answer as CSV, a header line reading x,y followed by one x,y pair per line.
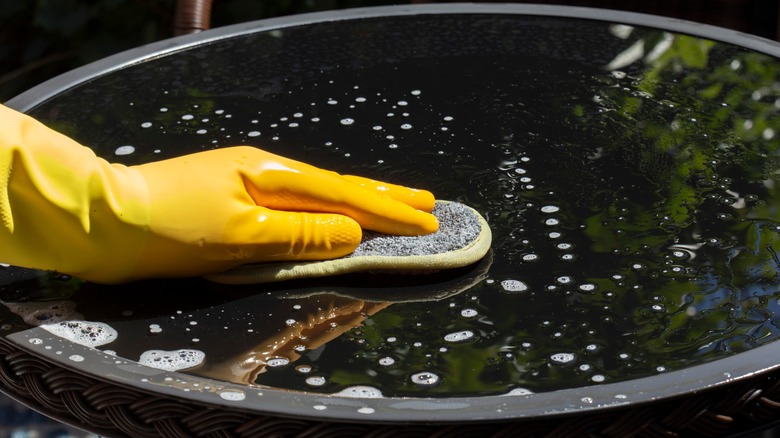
x,y
111,410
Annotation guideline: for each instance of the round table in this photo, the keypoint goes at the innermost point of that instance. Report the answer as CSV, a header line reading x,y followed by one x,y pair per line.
x,y
626,164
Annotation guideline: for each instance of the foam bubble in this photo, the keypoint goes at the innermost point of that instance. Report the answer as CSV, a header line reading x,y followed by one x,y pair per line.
x,y
86,333
232,395
514,286
562,358
315,380
425,378
519,391
172,360
278,362
459,336
360,391
468,313
347,121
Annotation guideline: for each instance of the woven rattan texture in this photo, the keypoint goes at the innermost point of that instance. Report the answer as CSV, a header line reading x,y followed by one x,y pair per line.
x,y
114,411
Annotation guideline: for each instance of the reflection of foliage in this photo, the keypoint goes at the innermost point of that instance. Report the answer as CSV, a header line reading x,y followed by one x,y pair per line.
x,y
702,122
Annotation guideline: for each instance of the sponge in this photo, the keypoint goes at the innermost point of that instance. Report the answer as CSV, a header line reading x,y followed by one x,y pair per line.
x,y
462,239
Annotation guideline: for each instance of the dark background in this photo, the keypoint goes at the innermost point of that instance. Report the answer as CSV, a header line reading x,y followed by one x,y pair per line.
x,y
40,39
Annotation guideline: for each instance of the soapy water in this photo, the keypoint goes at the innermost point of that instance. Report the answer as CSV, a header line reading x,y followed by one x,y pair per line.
x,y
172,360
86,333
47,312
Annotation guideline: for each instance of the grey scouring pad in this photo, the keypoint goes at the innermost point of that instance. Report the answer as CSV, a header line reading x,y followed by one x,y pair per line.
x,y
463,238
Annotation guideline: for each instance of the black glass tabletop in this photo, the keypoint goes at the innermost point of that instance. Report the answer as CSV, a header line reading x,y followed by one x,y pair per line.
x,y
627,165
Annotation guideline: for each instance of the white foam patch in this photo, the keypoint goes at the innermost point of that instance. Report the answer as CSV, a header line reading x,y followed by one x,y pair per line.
x,y
360,391
49,312
172,360
86,333
519,391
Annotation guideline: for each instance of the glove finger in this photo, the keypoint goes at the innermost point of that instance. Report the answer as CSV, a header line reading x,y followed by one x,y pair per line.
x,y
284,235
416,198
295,186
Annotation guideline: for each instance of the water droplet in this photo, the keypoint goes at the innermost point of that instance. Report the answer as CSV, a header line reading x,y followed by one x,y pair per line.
x,y
232,395
386,361
406,126
468,313
519,391
347,121
459,336
425,379
277,362
124,150
360,391
253,133
514,286
315,381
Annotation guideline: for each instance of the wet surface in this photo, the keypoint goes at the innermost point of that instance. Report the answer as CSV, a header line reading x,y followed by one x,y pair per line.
x,y
629,176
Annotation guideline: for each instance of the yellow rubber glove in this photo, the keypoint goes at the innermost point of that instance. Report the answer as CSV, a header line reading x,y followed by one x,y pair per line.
x,y
62,208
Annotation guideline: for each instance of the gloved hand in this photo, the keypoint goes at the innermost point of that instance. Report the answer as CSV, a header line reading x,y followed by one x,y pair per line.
x,y
62,208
